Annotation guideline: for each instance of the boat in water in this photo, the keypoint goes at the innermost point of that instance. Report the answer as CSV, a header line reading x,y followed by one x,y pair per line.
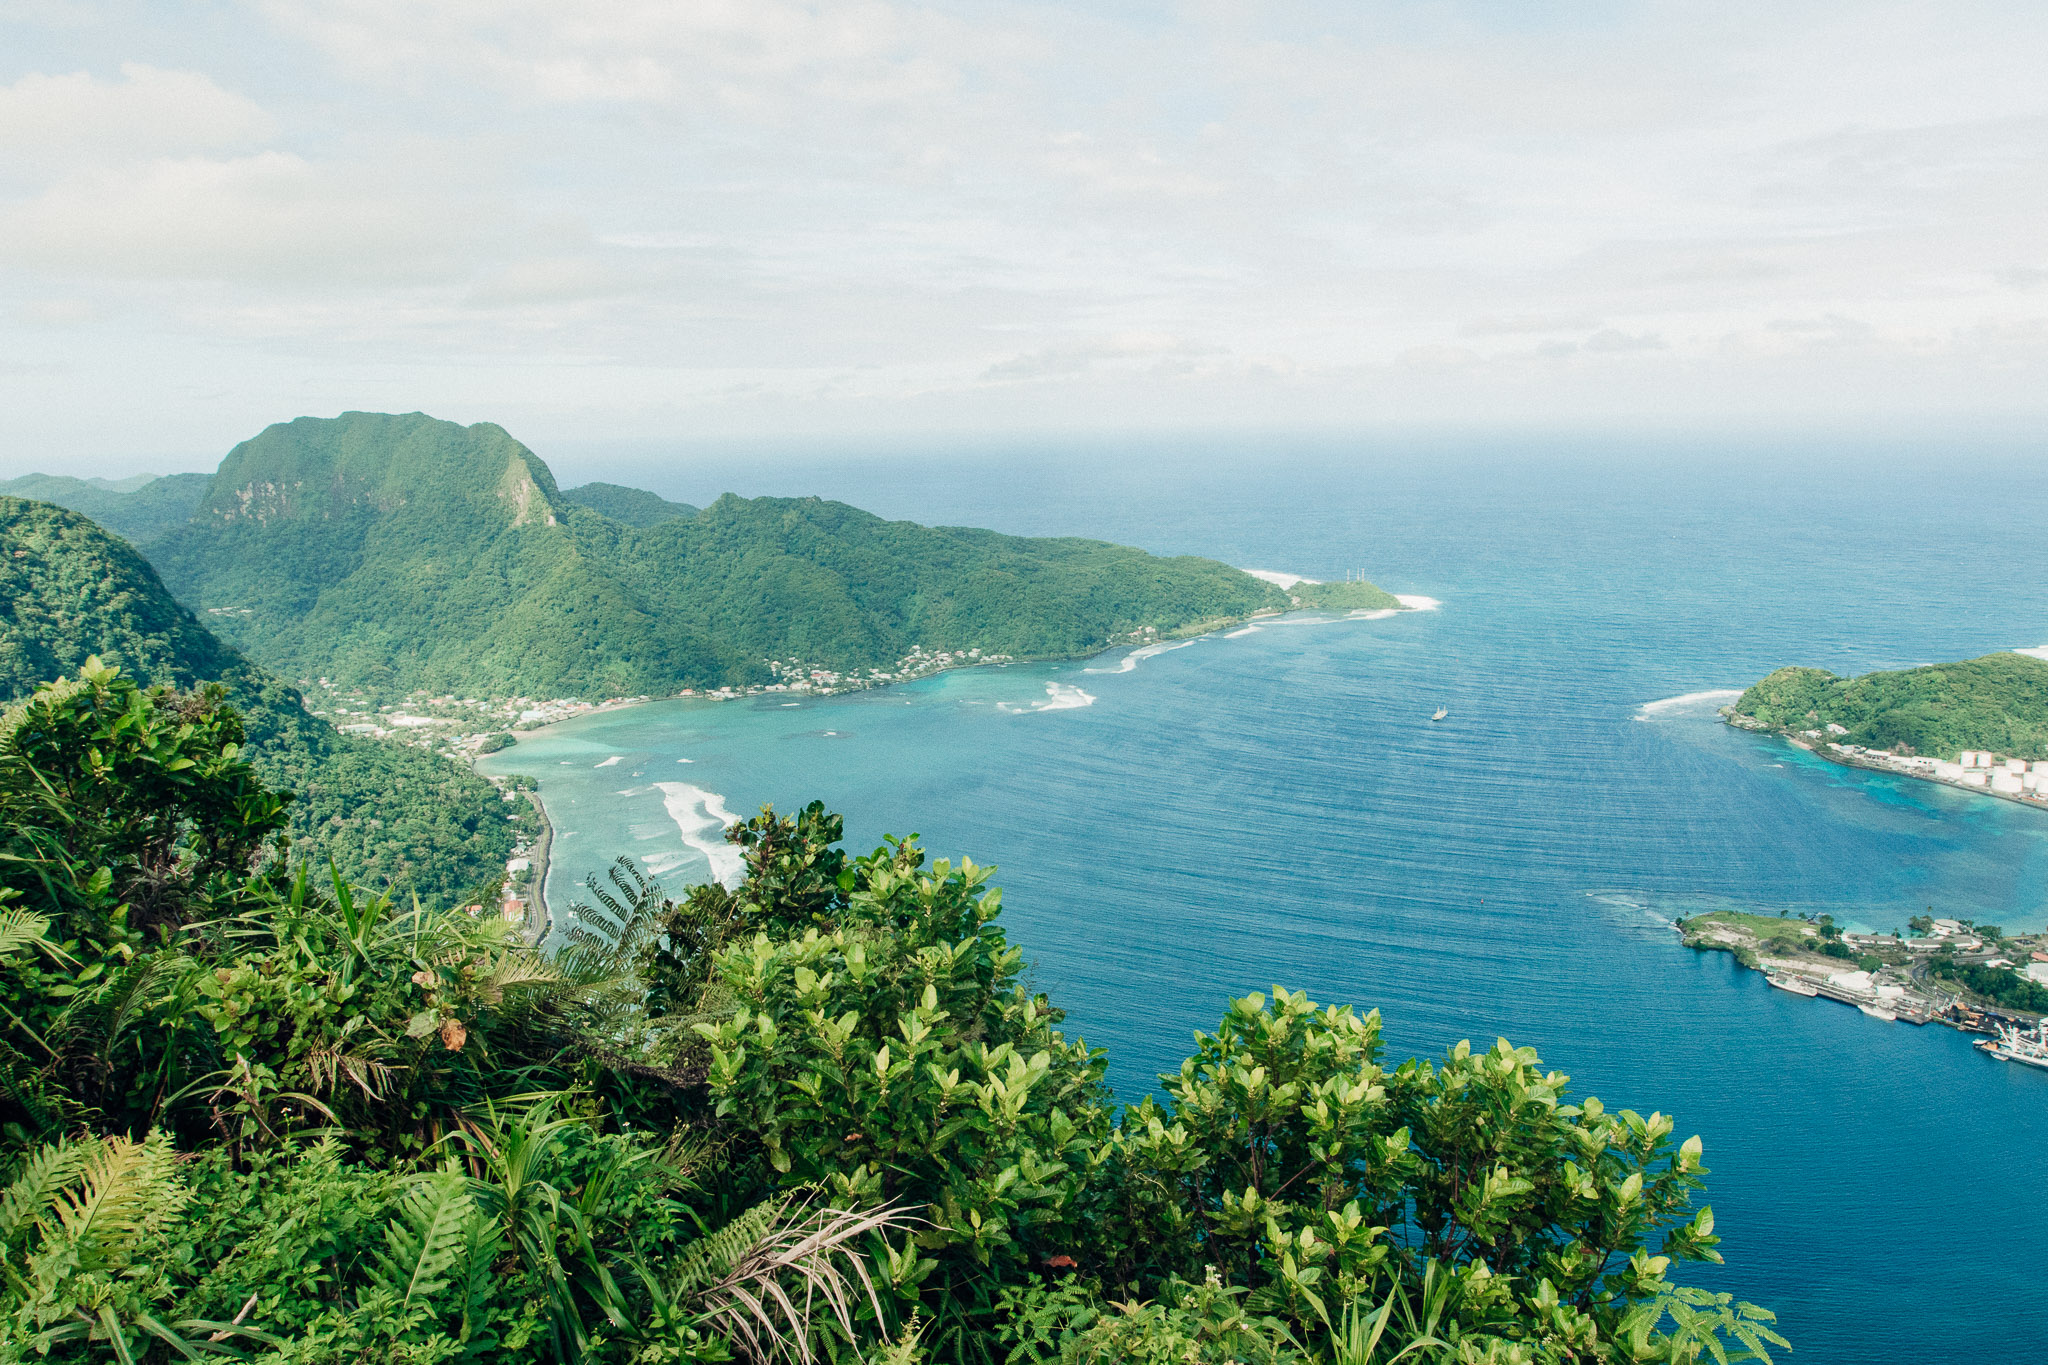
x,y
1795,984
2013,1044
1441,712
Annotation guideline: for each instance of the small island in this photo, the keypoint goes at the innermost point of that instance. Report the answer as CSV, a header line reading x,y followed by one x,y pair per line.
x,y
1981,724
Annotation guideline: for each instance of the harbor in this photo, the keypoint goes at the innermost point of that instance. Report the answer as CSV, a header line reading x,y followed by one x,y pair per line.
x,y
1891,979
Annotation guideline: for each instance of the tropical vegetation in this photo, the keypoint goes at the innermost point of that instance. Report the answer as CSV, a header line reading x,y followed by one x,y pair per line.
x,y
385,814
1353,595
2002,986
395,553
139,509
250,1109
1998,703
633,506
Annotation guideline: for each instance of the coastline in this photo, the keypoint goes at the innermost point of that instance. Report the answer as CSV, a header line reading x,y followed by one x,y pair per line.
x,y
539,920
1194,630
1835,753
1883,976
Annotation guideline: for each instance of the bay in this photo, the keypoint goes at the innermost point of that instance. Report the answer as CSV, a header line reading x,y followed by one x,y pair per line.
x,y
1276,806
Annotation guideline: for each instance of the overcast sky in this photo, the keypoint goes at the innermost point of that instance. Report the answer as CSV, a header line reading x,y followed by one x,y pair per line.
x,y
690,219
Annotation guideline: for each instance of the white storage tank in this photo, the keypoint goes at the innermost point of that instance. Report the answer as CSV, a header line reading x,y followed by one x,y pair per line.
x,y
2006,782
2015,765
1976,779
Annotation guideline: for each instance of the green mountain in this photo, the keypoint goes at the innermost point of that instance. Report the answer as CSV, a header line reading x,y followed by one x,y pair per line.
x,y
401,552
1998,703
634,506
386,814
140,508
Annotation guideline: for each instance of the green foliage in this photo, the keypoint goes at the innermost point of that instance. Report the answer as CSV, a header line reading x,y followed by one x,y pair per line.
x,y
139,510
497,743
2002,986
395,552
1356,595
633,506
1997,703
819,1114
384,813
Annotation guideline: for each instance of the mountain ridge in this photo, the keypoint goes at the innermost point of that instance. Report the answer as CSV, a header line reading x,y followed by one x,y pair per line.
x,y
401,552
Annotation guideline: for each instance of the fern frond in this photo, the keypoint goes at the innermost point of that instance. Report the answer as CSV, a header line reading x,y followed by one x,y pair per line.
x,y
33,1191
711,1258
424,1239
124,1192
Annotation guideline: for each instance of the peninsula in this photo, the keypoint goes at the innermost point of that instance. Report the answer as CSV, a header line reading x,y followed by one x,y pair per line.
x,y
1981,724
1969,976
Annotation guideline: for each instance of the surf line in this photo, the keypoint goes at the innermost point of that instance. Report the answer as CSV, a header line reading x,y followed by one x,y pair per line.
x,y
1059,697
702,818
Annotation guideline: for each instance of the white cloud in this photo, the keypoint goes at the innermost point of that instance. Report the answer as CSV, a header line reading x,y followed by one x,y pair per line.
x,y
624,215
270,217
57,119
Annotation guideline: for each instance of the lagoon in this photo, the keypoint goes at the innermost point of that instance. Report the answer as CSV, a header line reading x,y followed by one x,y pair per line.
x,y
1275,805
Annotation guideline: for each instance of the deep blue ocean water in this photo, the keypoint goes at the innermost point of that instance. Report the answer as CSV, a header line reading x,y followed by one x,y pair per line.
x,y
1277,807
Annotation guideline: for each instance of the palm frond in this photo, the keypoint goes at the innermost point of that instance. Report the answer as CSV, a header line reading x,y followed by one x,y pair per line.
x,y
771,1294
21,928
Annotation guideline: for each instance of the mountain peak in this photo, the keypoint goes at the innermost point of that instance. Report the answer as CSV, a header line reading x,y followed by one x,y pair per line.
x,y
368,465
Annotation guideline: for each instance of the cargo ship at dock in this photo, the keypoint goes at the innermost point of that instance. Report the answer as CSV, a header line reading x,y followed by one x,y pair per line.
x,y
2014,1044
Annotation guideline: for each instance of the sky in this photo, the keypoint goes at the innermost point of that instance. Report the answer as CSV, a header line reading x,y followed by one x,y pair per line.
x,y
744,220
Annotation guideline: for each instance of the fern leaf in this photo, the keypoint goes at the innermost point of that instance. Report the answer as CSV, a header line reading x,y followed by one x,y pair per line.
x,y
44,1174
711,1258
480,1244
112,1204
424,1240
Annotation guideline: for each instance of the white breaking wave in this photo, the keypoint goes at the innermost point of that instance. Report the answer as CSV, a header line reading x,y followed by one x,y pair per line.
x,y
615,758
1691,701
1241,630
1059,697
1142,652
702,818
2040,652
1416,601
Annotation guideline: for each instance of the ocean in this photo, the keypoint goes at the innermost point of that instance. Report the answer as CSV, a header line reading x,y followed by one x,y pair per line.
x,y
1275,806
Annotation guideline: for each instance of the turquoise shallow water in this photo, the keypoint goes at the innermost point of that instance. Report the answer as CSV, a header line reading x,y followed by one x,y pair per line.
x,y
1277,806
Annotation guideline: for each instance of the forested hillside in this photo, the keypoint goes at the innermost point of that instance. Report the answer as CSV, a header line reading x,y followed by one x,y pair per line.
x,y
397,552
1997,703
817,1116
386,814
634,506
138,509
